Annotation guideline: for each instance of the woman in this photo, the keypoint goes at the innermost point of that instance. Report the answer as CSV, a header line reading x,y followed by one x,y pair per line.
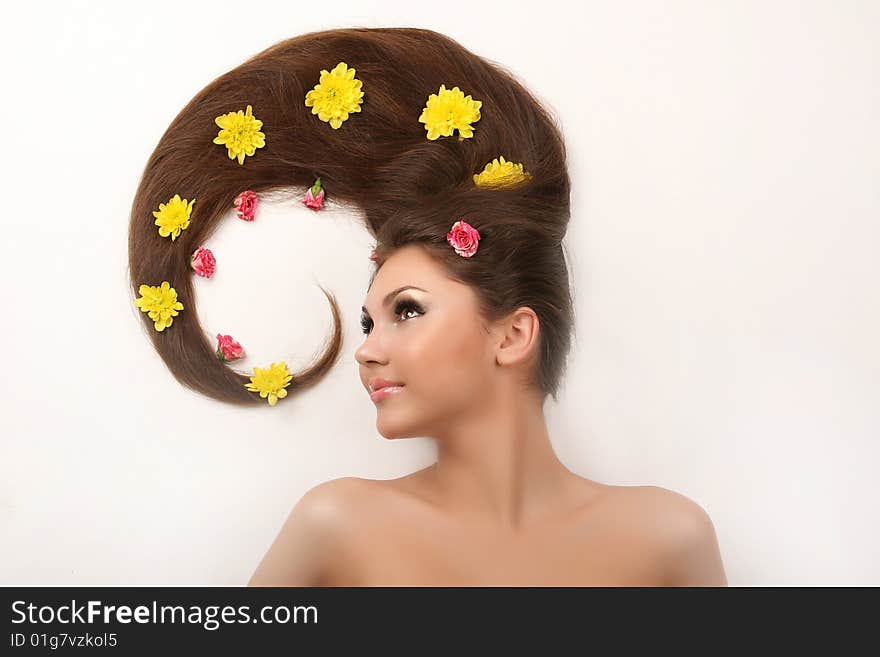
x,y
461,175
498,507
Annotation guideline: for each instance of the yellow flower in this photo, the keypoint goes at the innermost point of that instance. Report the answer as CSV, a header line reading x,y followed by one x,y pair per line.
x,y
240,133
160,302
336,95
501,173
449,110
173,216
270,382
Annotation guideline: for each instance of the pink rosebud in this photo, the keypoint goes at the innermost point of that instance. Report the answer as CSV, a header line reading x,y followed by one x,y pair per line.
x,y
314,202
464,238
373,255
315,196
202,262
227,348
246,204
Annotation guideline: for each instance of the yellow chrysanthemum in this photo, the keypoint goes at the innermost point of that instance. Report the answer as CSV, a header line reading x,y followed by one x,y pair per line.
x,y
449,110
337,94
240,133
160,303
270,382
173,216
501,173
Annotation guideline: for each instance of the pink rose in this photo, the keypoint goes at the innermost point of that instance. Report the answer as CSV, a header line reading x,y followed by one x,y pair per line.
x,y
246,204
464,238
314,202
315,196
373,255
202,262
227,348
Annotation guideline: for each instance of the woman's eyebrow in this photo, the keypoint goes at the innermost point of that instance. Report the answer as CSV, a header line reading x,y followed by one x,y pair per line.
x,y
392,294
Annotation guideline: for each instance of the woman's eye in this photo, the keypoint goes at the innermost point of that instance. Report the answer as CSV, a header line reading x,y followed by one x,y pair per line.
x,y
403,306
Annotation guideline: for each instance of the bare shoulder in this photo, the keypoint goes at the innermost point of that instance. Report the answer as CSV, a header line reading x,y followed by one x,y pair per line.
x,y
682,532
303,549
679,512
337,505
326,509
328,504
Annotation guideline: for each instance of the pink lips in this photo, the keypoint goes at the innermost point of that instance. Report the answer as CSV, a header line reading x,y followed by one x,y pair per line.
x,y
382,393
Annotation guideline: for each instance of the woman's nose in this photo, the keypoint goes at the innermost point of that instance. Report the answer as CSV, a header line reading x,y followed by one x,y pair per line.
x,y
368,351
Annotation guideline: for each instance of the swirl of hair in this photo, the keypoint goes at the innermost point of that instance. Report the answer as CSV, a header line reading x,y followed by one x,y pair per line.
x,y
409,189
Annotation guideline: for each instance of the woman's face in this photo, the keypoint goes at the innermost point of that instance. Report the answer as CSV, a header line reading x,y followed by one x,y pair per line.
x,y
430,339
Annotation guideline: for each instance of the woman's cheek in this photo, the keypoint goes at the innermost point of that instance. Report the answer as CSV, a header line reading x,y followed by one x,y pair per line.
x,y
452,360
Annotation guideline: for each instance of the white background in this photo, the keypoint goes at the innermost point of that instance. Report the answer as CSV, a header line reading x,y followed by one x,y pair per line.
x,y
725,160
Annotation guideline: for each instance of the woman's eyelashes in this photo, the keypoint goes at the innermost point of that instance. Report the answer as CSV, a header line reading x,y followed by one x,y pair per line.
x,y
403,304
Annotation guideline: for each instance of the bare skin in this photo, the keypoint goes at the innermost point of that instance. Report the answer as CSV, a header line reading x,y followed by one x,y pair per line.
x,y
363,532
498,507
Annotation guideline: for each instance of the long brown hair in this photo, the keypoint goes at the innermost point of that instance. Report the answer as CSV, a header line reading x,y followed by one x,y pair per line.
x,y
410,189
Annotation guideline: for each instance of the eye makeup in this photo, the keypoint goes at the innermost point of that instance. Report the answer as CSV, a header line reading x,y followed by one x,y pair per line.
x,y
402,304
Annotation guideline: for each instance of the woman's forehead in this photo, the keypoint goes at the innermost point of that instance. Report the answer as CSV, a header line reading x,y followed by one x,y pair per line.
x,y
408,266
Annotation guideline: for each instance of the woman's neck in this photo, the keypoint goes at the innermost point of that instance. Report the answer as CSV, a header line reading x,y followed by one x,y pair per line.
x,y
498,464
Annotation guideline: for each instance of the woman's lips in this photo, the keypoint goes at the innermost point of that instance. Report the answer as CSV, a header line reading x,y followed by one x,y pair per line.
x,y
382,393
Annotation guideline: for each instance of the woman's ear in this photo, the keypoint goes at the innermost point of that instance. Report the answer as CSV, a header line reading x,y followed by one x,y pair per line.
x,y
518,337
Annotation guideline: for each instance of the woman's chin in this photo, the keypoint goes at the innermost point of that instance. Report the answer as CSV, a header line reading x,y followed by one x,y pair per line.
x,y
393,431
390,434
